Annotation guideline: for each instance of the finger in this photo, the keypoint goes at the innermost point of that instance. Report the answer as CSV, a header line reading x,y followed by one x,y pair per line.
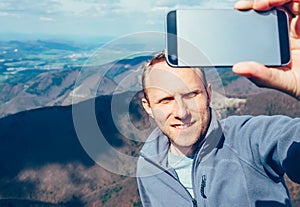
x,y
258,73
250,69
268,4
294,7
295,32
243,5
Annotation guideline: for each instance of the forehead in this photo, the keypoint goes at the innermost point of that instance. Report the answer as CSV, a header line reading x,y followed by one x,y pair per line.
x,y
171,80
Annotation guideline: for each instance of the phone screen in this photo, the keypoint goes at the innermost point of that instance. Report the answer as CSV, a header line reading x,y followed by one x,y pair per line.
x,y
226,37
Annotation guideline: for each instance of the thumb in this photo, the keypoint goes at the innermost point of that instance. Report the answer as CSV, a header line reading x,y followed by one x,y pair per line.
x,y
257,73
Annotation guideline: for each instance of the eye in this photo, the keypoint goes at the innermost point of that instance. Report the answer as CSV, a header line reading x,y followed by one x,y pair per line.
x,y
191,94
166,100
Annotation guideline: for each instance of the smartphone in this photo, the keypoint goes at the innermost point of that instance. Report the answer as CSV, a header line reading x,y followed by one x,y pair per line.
x,y
223,37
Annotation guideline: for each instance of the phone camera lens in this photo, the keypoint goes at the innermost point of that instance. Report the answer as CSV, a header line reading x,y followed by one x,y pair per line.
x,y
173,57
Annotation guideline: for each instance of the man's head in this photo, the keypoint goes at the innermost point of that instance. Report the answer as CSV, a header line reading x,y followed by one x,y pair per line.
x,y
178,99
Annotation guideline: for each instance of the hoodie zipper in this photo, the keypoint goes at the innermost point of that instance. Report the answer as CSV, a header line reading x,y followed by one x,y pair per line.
x,y
193,180
202,186
194,201
203,179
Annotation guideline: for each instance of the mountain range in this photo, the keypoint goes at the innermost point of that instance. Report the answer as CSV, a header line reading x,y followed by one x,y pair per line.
x,y
42,157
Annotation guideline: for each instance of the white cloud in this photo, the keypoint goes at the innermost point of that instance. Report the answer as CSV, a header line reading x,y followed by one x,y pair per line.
x,y
129,6
99,17
6,14
79,7
73,7
87,8
47,19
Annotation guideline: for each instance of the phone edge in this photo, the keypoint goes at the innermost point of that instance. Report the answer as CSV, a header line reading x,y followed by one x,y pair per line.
x,y
172,47
283,29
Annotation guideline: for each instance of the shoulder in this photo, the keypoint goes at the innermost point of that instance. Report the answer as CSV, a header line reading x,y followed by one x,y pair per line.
x,y
257,122
263,131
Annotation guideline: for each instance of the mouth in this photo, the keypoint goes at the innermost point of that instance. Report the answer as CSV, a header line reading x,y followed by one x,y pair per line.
x,y
183,125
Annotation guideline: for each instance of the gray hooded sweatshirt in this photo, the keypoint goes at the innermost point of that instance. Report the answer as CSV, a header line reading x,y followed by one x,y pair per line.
x,y
241,162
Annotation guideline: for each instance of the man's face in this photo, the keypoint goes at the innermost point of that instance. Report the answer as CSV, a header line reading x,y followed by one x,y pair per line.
x,y
179,103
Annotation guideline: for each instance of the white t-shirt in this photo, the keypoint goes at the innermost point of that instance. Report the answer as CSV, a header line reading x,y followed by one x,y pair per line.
x,y
183,167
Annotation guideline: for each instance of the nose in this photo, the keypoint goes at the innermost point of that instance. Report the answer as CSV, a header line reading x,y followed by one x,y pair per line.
x,y
180,110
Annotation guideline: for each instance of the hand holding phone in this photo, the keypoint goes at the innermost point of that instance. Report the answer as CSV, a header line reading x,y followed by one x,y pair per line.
x,y
287,78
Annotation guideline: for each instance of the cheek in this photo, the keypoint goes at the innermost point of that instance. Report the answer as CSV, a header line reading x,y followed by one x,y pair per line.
x,y
161,114
198,106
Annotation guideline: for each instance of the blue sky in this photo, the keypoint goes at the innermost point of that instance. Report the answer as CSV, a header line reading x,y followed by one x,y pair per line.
x,y
98,18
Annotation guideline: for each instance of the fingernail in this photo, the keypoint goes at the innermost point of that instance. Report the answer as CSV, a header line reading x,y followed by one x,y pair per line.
x,y
295,7
260,4
243,5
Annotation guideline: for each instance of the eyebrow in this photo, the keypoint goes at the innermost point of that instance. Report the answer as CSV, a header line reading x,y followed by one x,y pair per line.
x,y
164,98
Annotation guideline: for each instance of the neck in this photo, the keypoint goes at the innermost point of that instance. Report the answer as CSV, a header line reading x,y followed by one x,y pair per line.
x,y
182,151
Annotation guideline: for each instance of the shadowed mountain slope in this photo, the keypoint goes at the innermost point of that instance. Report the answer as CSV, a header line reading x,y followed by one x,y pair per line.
x,y
42,159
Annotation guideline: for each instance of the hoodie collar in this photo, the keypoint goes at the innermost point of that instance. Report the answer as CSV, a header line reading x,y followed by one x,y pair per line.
x,y
211,140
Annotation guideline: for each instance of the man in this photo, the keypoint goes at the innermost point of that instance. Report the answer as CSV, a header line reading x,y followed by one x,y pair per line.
x,y
192,159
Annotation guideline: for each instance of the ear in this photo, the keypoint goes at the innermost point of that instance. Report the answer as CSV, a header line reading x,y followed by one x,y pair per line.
x,y
147,107
209,93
